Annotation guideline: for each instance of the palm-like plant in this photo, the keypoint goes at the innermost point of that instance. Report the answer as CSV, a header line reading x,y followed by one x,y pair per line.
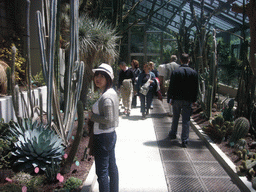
x,y
98,43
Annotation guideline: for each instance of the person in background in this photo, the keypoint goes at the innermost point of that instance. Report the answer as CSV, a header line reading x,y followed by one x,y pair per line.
x,y
170,68
162,77
152,68
136,71
182,92
105,115
125,84
146,100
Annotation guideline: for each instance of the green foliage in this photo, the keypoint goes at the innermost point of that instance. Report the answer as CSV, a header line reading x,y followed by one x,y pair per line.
x,y
241,128
10,187
6,55
33,183
38,79
92,97
52,171
223,52
219,129
72,183
36,146
6,145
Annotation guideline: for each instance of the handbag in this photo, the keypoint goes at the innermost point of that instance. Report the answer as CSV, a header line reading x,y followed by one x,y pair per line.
x,y
145,88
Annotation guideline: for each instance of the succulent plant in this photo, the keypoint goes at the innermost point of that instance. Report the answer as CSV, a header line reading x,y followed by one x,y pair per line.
x,y
241,128
36,146
228,112
72,183
218,128
52,171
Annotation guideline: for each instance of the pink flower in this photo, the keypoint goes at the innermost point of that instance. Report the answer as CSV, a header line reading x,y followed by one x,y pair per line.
x,y
24,189
36,170
8,179
65,156
60,177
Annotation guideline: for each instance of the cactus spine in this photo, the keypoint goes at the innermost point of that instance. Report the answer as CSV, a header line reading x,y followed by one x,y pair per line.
x,y
241,128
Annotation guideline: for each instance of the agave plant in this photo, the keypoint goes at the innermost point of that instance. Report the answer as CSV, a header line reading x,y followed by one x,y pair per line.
x,y
36,146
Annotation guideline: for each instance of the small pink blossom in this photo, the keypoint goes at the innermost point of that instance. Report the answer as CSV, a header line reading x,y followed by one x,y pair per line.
x,y
8,179
24,189
60,177
36,170
65,156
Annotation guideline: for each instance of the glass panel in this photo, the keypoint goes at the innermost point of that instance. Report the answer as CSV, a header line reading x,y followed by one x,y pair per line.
x,y
137,43
153,42
169,48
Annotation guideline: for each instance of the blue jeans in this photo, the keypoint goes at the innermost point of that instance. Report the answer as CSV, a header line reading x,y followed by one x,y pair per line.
x,y
105,162
146,100
184,108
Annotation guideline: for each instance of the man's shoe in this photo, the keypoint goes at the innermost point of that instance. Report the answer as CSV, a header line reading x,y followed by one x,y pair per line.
x,y
172,137
184,144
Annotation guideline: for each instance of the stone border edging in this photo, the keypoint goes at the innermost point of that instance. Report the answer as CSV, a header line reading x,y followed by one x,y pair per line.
x,y
90,181
227,164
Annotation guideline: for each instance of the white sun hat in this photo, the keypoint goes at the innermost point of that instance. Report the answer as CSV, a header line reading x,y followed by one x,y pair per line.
x,y
106,68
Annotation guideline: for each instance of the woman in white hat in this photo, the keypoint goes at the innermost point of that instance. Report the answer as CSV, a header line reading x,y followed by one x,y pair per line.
x,y
105,115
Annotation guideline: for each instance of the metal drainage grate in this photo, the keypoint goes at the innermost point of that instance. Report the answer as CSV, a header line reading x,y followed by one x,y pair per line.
x,y
220,184
179,184
209,169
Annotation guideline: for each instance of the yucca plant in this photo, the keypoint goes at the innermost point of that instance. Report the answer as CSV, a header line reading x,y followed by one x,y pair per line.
x,y
36,146
98,42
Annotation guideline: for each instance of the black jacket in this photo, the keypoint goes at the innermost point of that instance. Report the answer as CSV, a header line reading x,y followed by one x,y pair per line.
x,y
128,74
183,84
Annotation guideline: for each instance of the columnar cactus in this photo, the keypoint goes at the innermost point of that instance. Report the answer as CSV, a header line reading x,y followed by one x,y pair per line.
x,y
241,128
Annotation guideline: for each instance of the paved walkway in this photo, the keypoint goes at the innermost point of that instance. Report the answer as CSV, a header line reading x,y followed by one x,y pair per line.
x,y
149,162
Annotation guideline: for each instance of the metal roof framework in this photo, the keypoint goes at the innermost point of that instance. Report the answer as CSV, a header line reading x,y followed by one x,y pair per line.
x,y
167,14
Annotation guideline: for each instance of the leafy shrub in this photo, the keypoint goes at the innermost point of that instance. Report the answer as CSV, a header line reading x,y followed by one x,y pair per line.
x,y
38,79
6,145
6,55
33,183
36,146
72,183
10,187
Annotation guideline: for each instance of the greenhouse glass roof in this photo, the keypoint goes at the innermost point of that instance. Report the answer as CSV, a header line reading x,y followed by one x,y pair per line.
x,y
167,14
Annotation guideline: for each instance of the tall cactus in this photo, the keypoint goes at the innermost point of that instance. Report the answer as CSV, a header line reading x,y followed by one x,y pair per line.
x,y
75,70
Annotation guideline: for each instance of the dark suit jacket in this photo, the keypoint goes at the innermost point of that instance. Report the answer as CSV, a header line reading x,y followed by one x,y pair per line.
x,y
183,84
